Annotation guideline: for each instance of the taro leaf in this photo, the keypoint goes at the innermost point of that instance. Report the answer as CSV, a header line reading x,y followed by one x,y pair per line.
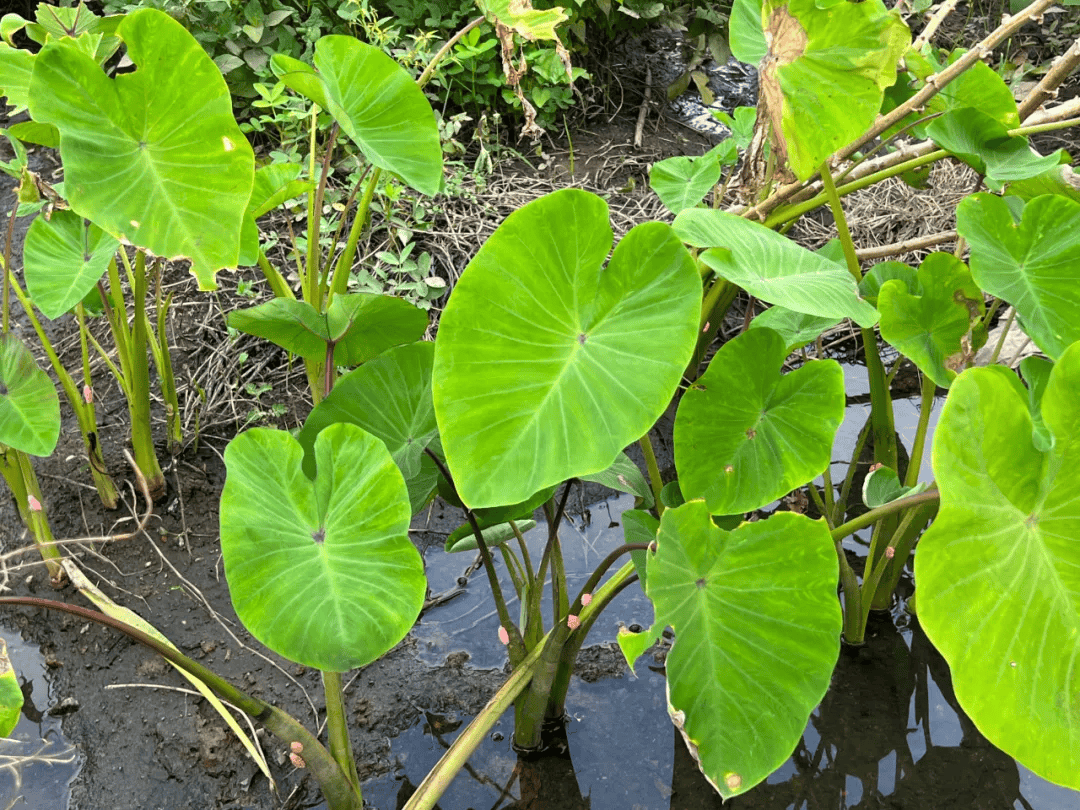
x,y
16,67
29,406
322,572
928,324
360,325
1061,180
829,67
746,435
877,275
1034,264
671,495
625,476
997,572
389,397
11,696
682,182
757,634
376,103
796,328
274,184
882,486
547,365
463,538
772,267
640,526
153,157
747,36
985,145
64,257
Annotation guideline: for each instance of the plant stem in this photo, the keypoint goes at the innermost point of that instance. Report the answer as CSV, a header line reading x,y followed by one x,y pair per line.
x,y
337,728
874,515
335,785
339,279
429,71
881,411
849,477
17,470
926,405
142,439
655,484
83,410
1004,334
440,777
159,345
278,285
852,596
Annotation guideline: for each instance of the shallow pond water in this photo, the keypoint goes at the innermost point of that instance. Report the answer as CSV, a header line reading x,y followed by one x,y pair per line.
x,y
888,733
37,763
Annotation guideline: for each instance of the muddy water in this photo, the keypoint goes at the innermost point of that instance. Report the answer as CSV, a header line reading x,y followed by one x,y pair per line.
x,y
36,762
889,732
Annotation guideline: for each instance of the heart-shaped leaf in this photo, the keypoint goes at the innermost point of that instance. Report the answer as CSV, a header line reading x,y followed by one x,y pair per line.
x,y
929,323
274,184
746,435
29,406
153,157
389,397
997,572
772,267
322,572
682,182
1033,264
743,673
359,325
547,365
985,145
825,72
883,486
376,103
63,259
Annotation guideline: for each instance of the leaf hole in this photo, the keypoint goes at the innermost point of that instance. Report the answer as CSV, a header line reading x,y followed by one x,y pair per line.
x,y
751,433
3,390
700,583
319,536
582,338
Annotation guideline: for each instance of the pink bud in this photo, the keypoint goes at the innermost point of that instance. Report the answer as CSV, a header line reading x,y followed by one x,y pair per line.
x,y
34,503
706,329
890,552
504,637
297,747
573,622
586,598
297,761
87,394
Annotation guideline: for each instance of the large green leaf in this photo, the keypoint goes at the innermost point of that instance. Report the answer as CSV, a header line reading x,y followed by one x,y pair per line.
x,y
546,364
376,103
998,572
825,72
390,398
928,323
63,259
322,572
984,144
1033,264
772,267
359,325
29,406
153,157
746,435
624,476
757,634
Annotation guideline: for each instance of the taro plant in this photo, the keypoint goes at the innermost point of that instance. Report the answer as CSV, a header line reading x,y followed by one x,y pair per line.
x,y
152,159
